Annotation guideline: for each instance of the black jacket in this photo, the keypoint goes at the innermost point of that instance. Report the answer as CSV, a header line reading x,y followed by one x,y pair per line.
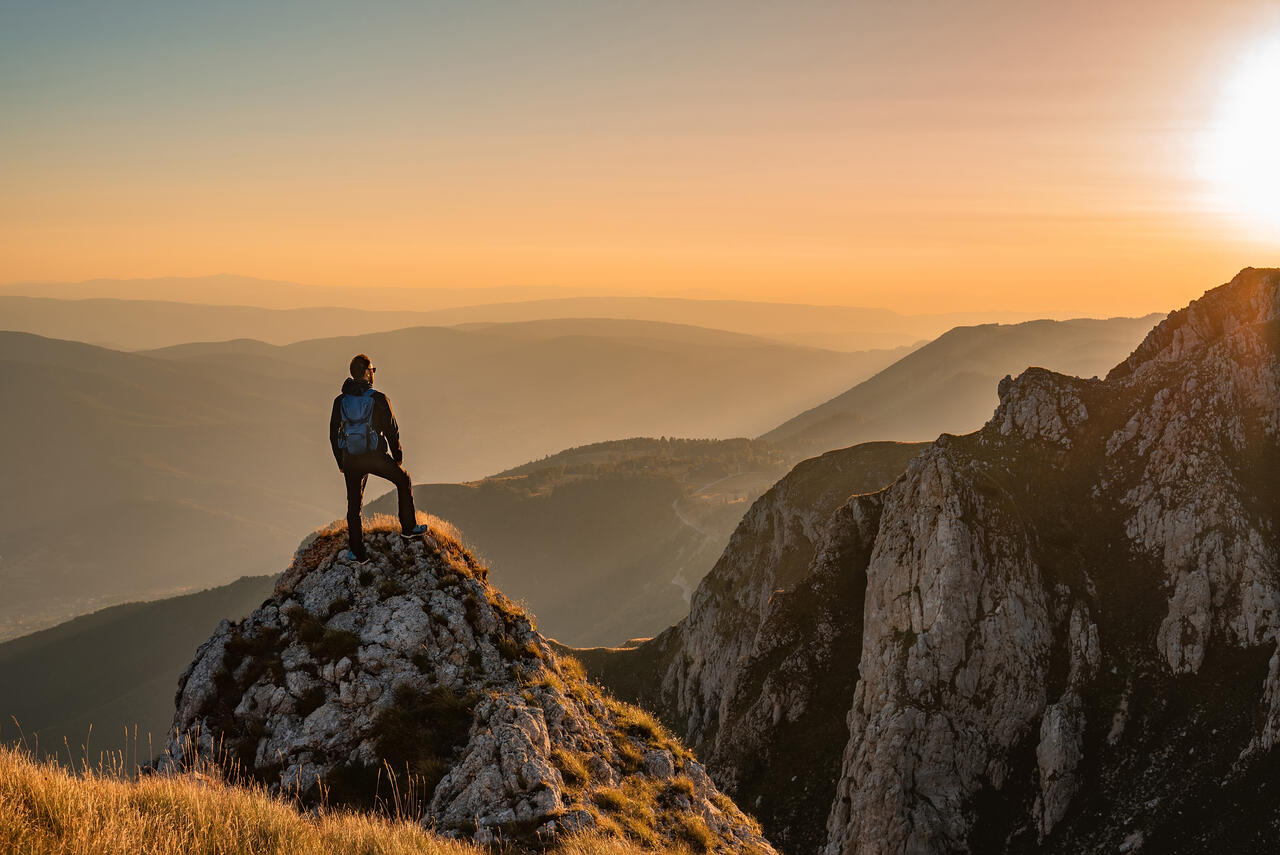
x,y
384,421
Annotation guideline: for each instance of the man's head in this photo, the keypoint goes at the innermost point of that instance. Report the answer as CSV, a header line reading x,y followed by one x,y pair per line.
x,y
362,368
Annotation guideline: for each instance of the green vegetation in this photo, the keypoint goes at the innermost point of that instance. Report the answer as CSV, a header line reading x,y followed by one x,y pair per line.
x,y
249,657
310,701
696,459
390,587
306,627
417,738
114,669
335,645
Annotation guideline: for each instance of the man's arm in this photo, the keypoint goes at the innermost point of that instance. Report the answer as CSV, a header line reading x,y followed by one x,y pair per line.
x,y
335,430
391,431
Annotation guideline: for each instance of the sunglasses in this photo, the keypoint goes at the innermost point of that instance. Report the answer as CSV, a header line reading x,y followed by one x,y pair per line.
x,y
372,370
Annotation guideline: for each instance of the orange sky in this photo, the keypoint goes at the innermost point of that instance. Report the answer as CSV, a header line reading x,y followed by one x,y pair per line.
x,y
906,155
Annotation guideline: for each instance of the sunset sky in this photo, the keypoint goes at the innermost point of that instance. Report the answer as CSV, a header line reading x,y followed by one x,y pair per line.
x,y
1026,156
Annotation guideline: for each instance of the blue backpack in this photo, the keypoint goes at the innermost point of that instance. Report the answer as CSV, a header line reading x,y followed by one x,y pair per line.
x,y
358,435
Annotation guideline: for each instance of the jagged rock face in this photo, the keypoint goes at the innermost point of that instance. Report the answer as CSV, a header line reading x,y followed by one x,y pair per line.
x,y
413,669
1067,633
1113,523
957,621
786,704
748,653
770,550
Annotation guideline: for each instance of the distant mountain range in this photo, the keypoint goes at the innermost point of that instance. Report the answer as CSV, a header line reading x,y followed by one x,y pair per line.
x,y
186,467
228,289
151,312
132,477
949,385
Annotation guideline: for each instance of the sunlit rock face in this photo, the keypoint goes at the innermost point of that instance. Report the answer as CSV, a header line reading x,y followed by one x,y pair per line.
x,y
1123,527
1057,634
411,683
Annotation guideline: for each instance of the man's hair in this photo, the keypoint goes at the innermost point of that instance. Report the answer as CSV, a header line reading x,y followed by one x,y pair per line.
x,y
359,365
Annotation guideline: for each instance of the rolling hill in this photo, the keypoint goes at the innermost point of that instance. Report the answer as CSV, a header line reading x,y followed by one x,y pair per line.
x,y
114,669
232,290
847,328
141,475
478,400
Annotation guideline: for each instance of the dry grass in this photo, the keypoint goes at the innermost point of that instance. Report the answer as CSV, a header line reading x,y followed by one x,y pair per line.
x,y
46,809
332,538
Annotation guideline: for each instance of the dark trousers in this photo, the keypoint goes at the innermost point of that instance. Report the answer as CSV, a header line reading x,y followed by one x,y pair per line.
x,y
357,468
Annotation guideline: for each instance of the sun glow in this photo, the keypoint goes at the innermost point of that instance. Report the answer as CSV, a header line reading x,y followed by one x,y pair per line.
x,y
1242,155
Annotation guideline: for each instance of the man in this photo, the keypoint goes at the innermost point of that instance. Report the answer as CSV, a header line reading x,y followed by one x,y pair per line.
x,y
366,441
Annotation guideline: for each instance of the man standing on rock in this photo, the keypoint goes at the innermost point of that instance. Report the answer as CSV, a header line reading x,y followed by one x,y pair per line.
x,y
366,441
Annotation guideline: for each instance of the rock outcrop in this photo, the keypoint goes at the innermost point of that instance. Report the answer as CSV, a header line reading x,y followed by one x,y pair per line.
x,y
412,681
743,678
1059,633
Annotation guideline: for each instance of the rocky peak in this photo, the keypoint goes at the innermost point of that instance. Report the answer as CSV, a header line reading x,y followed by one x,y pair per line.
x,y
412,670
1249,298
1092,528
1040,405
1060,633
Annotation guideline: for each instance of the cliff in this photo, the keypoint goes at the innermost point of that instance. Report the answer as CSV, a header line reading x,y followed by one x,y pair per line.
x,y
1056,634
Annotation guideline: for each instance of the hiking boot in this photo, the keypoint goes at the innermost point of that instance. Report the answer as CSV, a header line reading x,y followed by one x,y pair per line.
x,y
355,559
417,531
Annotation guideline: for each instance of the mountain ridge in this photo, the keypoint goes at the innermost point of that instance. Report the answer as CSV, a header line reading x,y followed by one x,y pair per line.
x,y
1064,625
948,384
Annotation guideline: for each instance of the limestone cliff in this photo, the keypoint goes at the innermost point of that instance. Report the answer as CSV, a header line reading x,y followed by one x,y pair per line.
x,y
411,680
1057,634
1126,525
735,679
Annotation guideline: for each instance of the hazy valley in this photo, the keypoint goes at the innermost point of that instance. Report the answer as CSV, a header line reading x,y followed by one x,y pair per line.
x,y
194,465
1021,595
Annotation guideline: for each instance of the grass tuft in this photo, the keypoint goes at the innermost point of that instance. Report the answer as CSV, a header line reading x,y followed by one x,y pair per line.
x,y
335,644
44,808
572,769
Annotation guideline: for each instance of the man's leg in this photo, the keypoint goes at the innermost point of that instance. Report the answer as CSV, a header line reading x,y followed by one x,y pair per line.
x,y
356,480
387,468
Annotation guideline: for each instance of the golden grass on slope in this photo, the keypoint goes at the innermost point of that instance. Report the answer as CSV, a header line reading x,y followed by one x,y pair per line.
x,y
46,809
329,539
